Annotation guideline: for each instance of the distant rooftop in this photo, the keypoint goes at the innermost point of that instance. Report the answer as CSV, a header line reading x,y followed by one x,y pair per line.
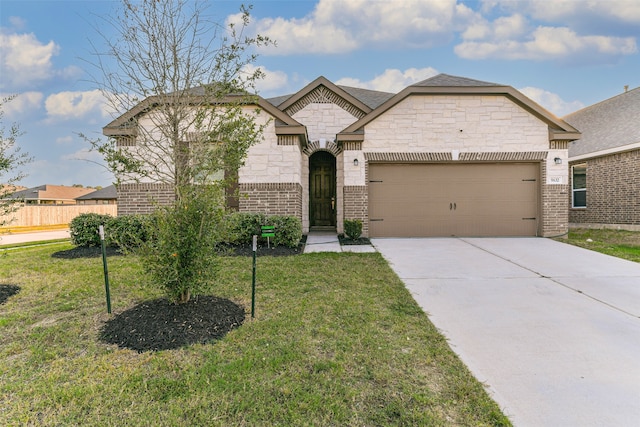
x,y
106,193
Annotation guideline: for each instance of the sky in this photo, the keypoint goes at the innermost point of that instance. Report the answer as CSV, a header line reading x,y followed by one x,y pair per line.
x,y
563,54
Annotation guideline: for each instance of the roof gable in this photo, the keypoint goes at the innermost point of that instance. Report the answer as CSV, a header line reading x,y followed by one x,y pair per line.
x,y
322,90
444,84
124,125
610,125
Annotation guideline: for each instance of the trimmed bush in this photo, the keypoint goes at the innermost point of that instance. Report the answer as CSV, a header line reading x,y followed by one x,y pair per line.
x,y
239,227
84,228
353,228
288,230
129,231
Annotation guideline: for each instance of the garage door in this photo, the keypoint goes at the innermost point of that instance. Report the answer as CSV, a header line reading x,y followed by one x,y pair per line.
x,y
423,200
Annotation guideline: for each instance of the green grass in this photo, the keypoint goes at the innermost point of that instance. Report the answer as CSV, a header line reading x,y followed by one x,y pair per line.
x,y
337,340
618,243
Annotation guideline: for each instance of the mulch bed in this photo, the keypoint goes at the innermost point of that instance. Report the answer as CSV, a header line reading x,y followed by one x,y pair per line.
x,y
159,325
7,291
264,250
346,241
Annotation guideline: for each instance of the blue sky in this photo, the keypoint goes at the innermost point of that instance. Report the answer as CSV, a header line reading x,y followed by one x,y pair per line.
x,y
564,54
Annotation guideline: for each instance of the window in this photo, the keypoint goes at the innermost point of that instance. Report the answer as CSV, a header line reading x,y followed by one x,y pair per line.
x,y
579,186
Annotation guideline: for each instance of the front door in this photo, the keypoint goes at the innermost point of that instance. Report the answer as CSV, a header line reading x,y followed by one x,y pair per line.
x,y
322,189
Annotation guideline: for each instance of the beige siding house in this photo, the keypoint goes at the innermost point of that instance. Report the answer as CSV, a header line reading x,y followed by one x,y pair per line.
x,y
449,156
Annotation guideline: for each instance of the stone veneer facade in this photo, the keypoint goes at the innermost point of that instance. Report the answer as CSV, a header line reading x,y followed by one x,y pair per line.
x,y
613,192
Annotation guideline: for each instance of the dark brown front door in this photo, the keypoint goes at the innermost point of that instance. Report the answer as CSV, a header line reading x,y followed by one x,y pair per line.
x,y
322,189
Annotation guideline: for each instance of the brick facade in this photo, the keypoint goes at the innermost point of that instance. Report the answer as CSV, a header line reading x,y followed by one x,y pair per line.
x,y
142,198
613,191
555,209
356,202
272,198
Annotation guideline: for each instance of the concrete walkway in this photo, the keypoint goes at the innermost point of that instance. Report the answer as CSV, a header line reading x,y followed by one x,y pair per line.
x,y
36,236
553,330
327,241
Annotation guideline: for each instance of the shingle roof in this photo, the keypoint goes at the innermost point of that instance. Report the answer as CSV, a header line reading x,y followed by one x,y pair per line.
x,y
370,98
102,194
446,80
607,125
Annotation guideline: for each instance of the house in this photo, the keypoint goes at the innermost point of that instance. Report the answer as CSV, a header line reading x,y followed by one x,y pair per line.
x,y
103,196
445,156
605,164
51,195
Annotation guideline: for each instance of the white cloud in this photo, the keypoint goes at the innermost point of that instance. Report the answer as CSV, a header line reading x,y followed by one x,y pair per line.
x,y
549,43
26,62
17,22
392,80
551,101
84,154
559,11
23,103
25,59
64,140
75,105
341,26
272,81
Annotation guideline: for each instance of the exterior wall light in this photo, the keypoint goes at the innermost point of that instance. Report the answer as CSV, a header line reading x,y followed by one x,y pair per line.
x,y
355,162
557,161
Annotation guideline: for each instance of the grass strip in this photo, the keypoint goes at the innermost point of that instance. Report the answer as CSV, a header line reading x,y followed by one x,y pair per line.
x,y
619,243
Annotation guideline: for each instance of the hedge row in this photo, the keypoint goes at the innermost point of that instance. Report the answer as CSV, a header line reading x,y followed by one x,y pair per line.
x,y
129,231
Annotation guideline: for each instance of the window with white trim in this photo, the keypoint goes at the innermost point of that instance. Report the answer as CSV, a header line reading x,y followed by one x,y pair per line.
x,y
579,186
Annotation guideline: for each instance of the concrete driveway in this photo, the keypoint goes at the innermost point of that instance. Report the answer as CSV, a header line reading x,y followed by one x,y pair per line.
x,y
552,330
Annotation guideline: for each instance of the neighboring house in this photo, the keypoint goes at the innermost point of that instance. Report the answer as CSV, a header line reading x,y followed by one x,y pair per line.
x,y
104,196
51,195
446,156
605,164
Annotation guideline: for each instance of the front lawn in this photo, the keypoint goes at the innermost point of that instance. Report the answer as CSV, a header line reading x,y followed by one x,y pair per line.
x,y
337,340
618,243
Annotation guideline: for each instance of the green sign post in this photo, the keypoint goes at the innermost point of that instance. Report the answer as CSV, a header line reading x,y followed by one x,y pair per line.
x,y
253,279
268,231
106,271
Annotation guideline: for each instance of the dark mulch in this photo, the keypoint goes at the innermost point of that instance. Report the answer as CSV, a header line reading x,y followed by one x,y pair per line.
x,y
344,240
85,252
7,291
159,325
263,249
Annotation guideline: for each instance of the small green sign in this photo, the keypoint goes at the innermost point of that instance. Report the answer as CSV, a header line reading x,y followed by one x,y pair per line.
x,y
268,231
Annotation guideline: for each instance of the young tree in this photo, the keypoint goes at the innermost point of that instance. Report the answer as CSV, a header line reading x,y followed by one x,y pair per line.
x,y
11,159
180,84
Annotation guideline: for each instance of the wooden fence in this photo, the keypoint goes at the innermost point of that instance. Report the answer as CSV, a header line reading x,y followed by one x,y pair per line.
x,y
52,215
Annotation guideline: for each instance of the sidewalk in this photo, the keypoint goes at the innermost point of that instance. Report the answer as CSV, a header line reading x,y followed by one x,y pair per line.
x,y
36,236
327,241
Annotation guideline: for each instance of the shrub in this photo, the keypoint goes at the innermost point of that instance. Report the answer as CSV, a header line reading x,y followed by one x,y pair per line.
x,y
239,227
288,230
84,228
180,253
129,231
353,228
